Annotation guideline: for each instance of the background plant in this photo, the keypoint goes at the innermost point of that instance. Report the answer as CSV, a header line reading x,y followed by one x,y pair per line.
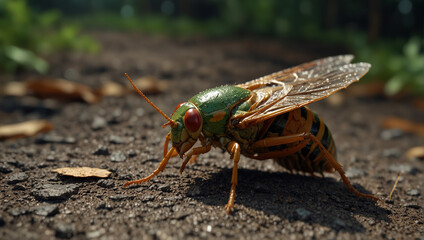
x,y
25,36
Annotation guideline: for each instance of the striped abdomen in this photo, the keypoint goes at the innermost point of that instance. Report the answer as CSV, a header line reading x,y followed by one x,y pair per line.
x,y
309,158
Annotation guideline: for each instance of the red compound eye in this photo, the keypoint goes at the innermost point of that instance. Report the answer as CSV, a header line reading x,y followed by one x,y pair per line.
x,y
179,105
192,120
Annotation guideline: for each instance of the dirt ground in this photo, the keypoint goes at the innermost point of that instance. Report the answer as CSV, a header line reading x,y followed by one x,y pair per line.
x,y
124,135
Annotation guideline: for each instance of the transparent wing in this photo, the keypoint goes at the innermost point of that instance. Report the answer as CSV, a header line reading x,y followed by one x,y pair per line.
x,y
292,88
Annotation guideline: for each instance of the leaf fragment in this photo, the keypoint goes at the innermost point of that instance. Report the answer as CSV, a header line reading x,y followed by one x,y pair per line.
x,y
62,89
24,129
151,85
404,125
83,172
415,153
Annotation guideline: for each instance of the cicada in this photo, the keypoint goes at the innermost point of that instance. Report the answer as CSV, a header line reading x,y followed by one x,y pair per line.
x,y
263,119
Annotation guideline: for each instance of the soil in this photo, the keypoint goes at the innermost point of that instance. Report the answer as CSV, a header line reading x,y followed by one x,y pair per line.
x,y
124,135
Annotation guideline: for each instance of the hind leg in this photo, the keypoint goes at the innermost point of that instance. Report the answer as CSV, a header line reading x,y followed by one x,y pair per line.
x,y
303,139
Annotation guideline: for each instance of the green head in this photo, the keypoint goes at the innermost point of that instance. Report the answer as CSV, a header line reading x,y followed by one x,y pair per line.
x,y
188,127
185,122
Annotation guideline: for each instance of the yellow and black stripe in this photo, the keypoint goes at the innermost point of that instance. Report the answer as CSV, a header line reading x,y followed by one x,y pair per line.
x,y
309,158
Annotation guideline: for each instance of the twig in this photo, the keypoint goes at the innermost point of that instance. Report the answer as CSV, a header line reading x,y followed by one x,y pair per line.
x,y
394,187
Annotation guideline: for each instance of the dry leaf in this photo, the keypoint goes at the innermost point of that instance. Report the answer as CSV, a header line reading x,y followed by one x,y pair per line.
x,y
83,172
24,129
415,152
151,85
14,89
112,89
404,125
62,89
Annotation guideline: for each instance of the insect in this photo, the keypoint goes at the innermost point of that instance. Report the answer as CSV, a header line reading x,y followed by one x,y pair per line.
x,y
263,119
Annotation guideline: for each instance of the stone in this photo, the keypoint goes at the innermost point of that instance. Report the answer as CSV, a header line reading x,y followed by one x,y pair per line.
x,y
339,224
98,123
46,210
114,139
101,150
413,192
5,168
303,214
106,183
403,168
121,197
390,134
17,177
164,188
412,205
117,156
64,230
55,192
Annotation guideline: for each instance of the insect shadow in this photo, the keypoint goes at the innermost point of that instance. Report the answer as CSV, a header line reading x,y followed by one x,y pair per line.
x,y
326,201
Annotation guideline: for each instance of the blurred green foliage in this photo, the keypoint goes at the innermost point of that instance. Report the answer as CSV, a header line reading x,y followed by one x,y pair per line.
x,y
25,36
384,33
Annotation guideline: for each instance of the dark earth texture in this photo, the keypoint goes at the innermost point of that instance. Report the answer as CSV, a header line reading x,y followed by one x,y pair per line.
x,y
124,135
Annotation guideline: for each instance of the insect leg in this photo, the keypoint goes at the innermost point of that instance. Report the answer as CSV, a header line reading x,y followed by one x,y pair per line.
x,y
304,138
234,149
333,162
193,153
165,146
160,168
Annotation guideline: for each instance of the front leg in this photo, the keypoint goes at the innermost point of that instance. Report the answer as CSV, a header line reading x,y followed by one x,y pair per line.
x,y
234,149
193,153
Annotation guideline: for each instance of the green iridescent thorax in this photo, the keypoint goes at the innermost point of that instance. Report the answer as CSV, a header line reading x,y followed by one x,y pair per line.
x,y
215,105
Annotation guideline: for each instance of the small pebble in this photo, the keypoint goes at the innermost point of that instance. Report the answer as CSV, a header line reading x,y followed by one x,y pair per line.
x,y
412,205
181,215
413,192
303,214
403,168
46,210
2,221
147,198
17,177
101,150
114,139
95,234
105,206
121,197
49,191
391,153
164,188
371,222
117,156
131,153
5,169
390,134
106,183
64,230
19,187
98,123
15,212
339,224
51,158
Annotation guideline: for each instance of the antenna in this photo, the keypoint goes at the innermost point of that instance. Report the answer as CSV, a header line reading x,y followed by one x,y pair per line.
x,y
170,121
